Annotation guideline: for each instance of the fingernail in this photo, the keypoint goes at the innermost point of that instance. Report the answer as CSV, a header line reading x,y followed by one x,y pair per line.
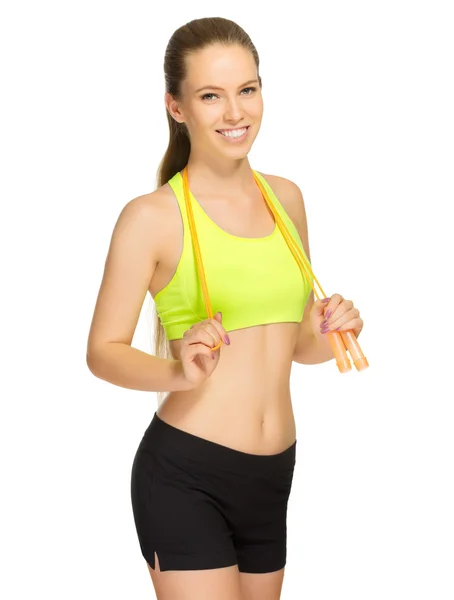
x,y
326,299
227,340
213,355
328,314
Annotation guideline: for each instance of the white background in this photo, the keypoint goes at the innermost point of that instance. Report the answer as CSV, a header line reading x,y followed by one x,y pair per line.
x,y
358,112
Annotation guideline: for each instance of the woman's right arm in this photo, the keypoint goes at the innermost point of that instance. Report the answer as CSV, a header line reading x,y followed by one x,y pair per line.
x,y
130,264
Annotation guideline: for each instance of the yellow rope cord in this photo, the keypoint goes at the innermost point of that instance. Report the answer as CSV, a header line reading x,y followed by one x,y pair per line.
x,y
198,255
294,248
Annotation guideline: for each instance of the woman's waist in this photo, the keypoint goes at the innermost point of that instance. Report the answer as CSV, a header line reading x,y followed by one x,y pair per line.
x,y
246,422
173,455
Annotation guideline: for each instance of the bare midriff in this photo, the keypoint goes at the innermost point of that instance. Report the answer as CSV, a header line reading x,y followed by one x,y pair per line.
x,y
246,402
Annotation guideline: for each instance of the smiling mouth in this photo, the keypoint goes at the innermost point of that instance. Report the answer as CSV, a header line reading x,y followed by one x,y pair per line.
x,y
236,132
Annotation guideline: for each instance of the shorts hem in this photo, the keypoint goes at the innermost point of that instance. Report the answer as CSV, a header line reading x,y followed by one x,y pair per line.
x,y
262,564
261,569
169,561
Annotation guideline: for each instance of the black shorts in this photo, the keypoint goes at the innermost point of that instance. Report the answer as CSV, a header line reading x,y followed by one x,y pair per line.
x,y
202,505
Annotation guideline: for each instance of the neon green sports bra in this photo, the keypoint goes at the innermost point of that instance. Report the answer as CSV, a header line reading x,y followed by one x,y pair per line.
x,y
252,281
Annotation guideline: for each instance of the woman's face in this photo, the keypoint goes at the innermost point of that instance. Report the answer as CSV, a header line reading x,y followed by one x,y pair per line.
x,y
231,98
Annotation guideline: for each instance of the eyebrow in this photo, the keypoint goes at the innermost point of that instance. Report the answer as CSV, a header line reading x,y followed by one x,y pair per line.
x,y
213,87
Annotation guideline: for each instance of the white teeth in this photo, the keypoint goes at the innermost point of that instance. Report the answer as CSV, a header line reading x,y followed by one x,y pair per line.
x,y
234,133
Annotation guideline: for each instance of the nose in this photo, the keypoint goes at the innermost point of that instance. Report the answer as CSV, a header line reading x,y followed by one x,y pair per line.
x,y
233,110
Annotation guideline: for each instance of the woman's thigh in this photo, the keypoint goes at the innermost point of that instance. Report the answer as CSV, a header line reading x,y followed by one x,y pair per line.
x,y
206,584
261,586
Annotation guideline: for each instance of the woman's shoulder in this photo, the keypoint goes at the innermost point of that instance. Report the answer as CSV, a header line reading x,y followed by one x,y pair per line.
x,y
280,183
149,215
150,207
289,195
151,201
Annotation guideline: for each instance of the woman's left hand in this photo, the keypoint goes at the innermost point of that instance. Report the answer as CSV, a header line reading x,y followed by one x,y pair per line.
x,y
333,314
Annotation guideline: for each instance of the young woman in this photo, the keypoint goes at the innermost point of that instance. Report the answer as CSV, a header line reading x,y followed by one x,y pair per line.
x,y
213,472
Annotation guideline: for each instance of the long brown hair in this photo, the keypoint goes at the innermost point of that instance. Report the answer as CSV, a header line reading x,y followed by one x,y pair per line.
x,y
193,36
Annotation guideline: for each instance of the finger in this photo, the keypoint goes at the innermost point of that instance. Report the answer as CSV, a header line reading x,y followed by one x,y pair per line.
x,y
331,306
344,320
337,306
319,306
194,349
210,326
206,335
355,325
214,331
219,329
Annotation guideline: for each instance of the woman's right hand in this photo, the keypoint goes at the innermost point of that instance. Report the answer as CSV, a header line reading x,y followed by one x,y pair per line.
x,y
195,350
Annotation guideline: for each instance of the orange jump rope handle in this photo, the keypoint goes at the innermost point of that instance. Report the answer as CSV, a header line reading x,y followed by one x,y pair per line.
x,y
341,341
339,351
351,343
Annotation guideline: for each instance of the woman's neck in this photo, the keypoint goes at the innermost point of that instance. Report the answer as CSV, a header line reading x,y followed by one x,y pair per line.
x,y
235,177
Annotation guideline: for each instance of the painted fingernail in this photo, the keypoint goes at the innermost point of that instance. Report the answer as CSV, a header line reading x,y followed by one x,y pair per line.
x,y
328,314
325,329
326,300
213,355
227,340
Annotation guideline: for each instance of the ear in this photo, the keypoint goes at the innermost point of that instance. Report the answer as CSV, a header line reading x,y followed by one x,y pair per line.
x,y
173,107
